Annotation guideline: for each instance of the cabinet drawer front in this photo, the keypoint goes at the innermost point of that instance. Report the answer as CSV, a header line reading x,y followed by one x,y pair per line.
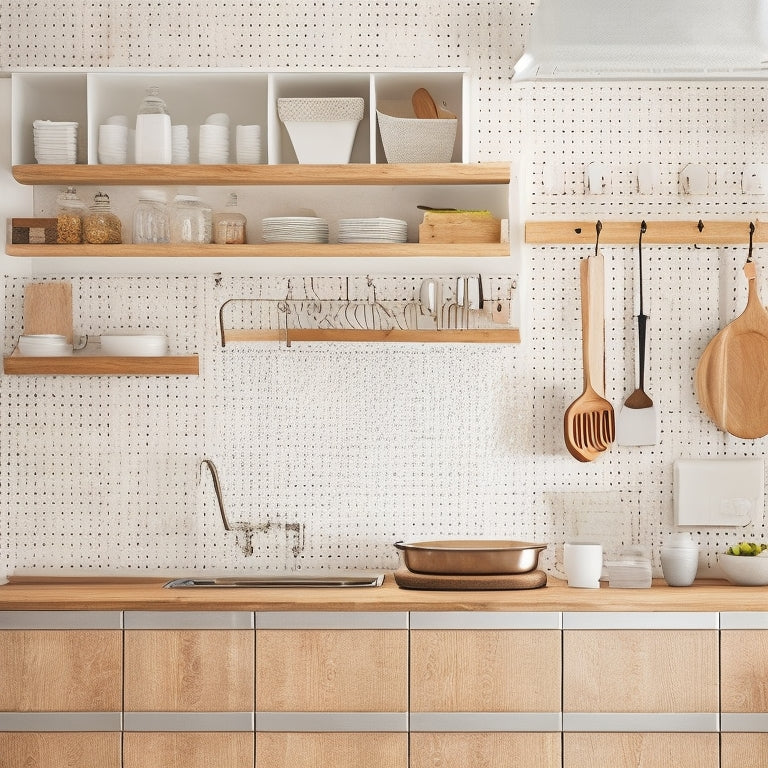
x,y
188,750
331,670
641,750
485,750
331,620
485,671
40,722
188,620
60,670
62,750
640,671
189,670
743,670
339,750
61,620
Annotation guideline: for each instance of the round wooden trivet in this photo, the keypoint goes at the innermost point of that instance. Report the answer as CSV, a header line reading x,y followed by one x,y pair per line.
x,y
410,580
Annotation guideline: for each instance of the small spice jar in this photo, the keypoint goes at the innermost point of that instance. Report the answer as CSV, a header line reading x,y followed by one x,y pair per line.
x,y
191,220
69,217
229,225
100,225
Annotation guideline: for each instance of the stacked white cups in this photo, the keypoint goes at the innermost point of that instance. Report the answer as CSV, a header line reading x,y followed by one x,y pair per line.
x,y
680,560
248,144
179,144
214,140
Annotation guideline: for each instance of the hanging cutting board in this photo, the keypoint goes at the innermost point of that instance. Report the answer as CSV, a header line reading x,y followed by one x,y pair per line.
x,y
732,375
48,309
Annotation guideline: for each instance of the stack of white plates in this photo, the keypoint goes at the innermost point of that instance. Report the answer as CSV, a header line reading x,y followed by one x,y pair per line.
x,y
214,140
44,345
113,144
134,345
295,229
179,144
55,143
377,230
248,144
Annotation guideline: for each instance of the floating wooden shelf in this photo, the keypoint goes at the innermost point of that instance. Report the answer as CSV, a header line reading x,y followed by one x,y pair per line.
x,y
85,363
664,232
451,336
264,250
251,175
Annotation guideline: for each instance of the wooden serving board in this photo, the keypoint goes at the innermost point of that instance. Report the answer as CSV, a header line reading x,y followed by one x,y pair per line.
x,y
732,374
410,580
48,309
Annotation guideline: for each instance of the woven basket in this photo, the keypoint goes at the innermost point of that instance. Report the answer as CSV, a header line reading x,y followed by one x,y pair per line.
x,y
414,140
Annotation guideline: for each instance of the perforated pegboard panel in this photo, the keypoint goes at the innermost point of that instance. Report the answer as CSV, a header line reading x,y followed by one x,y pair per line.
x,y
330,452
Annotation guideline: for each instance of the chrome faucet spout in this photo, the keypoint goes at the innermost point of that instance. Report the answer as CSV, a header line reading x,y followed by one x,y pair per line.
x,y
217,488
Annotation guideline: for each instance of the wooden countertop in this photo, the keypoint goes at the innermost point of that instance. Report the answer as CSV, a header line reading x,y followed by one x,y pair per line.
x,y
148,594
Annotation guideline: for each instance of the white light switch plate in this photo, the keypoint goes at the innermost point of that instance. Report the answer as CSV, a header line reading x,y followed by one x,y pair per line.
x,y
719,492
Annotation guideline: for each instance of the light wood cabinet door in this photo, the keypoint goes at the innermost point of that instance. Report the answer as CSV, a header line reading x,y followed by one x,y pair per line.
x,y
188,750
739,750
744,671
485,670
65,670
339,750
59,750
485,750
642,750
640,671
189,670
331,670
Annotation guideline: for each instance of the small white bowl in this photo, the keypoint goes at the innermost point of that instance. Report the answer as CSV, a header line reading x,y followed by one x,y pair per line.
x,y
134,345
745,570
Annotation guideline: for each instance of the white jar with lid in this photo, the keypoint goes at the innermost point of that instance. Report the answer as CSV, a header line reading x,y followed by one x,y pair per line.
x,y
152,143
151,219
191,220
680,560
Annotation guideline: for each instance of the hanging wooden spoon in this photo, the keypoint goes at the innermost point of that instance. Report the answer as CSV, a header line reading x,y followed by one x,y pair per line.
x,y
424,106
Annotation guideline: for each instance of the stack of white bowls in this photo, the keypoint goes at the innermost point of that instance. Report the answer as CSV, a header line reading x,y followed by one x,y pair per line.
x,y
179,144
214,140
55,142
680,560
134,344
44,345
113,140
248,144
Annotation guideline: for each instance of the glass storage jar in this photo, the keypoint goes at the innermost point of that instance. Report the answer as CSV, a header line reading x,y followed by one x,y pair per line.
x,y
69,217
100,225
229,225
151,219
191,220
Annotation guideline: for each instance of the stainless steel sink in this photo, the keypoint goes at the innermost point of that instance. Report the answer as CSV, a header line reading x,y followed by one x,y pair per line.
x,y
260,582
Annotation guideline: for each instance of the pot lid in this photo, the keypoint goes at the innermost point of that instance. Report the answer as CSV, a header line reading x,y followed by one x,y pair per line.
x,y
646,39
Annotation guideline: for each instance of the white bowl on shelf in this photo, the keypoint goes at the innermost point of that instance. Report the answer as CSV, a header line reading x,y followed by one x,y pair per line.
x,y
322,130
44,345
134,345
745,570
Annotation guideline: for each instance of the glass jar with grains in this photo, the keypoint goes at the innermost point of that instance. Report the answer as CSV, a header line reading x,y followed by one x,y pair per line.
x,y
229,225
69,217
100,225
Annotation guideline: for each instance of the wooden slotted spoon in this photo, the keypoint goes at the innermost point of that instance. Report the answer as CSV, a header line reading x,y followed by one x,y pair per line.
x,y
589,422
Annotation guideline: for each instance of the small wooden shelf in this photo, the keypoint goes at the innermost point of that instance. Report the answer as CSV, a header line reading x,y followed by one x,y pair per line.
x,y
86,363
264,250
450,336
253,175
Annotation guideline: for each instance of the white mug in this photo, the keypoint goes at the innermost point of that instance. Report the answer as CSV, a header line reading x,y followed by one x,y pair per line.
x,y
583,564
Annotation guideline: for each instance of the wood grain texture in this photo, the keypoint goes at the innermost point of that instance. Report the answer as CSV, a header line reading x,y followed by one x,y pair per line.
x,y
485,750
471,336
743,750
744,671
640,671
332,670
485,671
188,750
60,670
101,365
48,309
332,750
704,595
642,750
59,750
189,670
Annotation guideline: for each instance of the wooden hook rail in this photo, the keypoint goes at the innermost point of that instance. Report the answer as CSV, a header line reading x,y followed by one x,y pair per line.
x,y
658,232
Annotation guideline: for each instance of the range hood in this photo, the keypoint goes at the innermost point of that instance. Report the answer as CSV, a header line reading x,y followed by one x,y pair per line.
x,y
646,39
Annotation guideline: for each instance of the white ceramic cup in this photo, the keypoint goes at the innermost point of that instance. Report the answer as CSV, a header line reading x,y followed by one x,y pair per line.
x,y
679,565
583,564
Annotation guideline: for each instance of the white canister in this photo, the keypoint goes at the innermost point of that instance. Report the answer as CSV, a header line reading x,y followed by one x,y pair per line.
x,y
680,560
583,564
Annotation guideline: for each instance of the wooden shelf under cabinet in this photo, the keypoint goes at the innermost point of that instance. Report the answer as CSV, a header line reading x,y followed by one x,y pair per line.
x,y
282,175
266,250
80,364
